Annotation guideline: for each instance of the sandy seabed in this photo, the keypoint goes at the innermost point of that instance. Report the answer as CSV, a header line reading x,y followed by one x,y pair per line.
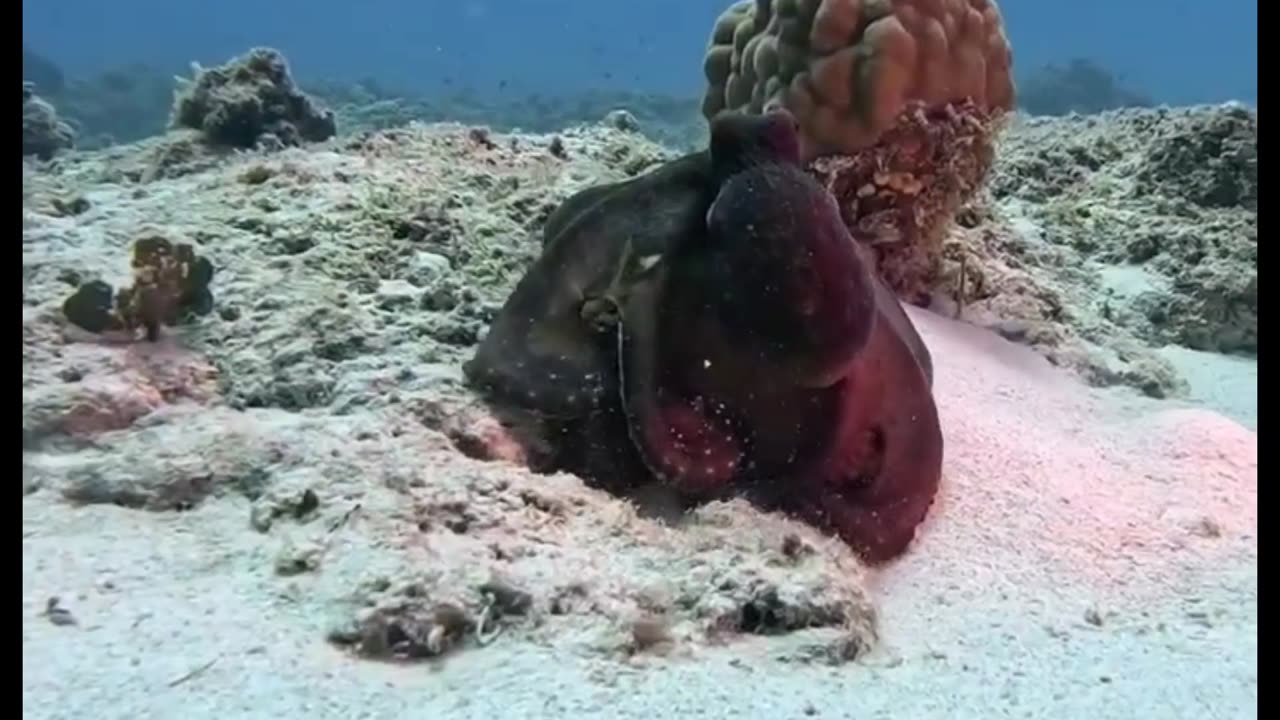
x,y
231,518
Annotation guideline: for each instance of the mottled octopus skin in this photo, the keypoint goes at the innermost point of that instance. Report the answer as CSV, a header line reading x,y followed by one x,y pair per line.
x,y
539,353
788,283
682,438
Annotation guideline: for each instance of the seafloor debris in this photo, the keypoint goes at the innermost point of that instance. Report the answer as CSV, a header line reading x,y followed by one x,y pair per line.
x,y
408,626
170,285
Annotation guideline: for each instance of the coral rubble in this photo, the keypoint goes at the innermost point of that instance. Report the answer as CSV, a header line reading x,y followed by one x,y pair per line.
x,y
170,284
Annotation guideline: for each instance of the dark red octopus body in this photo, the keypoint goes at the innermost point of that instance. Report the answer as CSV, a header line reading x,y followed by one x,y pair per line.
x,y
779,361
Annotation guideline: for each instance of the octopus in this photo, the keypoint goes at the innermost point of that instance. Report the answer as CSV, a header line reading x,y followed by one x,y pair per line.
x,y
713,325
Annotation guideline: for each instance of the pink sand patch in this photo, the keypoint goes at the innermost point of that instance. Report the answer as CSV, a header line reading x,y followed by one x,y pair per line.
x,y
1048,485
124,383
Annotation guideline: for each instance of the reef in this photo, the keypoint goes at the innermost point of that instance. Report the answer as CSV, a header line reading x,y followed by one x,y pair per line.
x,y
248,100
1081,86
119,105
42,72
848,69
900,104
937,178
305,462
367,106
1147,223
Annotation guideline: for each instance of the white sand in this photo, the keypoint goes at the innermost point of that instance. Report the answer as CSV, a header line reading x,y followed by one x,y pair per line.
x,y
1224,383
1092,556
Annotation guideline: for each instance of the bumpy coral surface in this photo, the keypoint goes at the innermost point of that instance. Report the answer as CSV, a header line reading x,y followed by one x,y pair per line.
x,y
848,68
898,102
250,97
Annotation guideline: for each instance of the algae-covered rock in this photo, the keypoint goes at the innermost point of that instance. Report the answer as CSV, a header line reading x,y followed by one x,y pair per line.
x,y
252,97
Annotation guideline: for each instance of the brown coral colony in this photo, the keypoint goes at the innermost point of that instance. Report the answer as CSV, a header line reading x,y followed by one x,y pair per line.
x,y
848,68
170,282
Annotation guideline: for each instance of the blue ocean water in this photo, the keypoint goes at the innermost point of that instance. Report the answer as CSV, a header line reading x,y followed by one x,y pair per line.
x,y
1175,51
